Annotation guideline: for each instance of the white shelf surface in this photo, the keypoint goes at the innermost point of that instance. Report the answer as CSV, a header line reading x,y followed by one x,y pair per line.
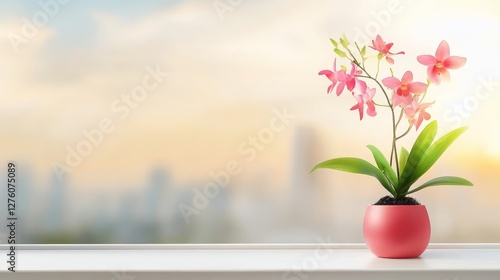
x,y
250,261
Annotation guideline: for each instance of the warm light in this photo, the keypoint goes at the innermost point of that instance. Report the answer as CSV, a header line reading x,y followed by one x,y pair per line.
x,y
494,149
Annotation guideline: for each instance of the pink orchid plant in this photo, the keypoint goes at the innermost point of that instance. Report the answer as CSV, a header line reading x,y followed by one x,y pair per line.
x,y
405,99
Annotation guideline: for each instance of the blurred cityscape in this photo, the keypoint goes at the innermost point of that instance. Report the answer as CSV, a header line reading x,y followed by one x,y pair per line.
x,y
152,213
303,208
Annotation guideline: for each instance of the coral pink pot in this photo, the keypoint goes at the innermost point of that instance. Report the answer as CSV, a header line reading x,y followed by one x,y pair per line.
x,y
397,231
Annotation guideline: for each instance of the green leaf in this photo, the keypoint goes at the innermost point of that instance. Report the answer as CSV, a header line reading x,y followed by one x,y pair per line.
x,y
344,41
363,51
340,53
358,166
335,44
423,142
441,181
403,158
384,165
435,151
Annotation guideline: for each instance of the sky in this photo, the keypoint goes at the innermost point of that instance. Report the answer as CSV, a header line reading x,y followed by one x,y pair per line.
x,y
225,68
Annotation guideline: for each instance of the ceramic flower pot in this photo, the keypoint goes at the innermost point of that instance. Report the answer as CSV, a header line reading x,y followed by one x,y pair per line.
x,y
397,231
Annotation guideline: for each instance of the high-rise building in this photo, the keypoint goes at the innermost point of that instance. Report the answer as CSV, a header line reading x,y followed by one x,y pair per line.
x,y
56,206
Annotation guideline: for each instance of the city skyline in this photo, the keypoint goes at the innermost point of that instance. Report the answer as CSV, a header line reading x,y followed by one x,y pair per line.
x,y
254,210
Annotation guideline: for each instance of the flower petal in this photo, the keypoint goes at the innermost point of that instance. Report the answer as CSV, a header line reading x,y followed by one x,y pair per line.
x,y
340,88
445,75
417,87
402,92
391,82
378,44
427,60
387,48
361,86
330,88
426,115
371,109
418,121
396,100
443,51
327,73
407,78
424,106
350,83
359,106
409,112
401,100
340,75
389,59
401,52
454,62
433,75
371,93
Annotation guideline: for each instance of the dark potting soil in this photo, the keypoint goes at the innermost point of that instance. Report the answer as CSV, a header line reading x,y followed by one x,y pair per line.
x,y
388,200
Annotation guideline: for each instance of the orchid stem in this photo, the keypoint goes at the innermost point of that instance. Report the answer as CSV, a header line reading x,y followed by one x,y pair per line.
x,y
423,97
404,134
381,105
378,69
394,152
400,117
362,57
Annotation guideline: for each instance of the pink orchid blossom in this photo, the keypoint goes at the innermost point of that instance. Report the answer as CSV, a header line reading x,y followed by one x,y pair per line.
x,y
364,97
416,112
350,79
334,76
405,86
438,65
340,78
380,46
403,101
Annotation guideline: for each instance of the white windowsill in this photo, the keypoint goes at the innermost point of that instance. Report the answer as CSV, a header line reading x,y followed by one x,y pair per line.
x,y
250,261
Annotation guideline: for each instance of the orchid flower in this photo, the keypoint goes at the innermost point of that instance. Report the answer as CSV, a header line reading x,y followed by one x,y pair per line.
x,y
379,45
350,79
438,65
405,86
416,113
400,100
364,97
334,76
